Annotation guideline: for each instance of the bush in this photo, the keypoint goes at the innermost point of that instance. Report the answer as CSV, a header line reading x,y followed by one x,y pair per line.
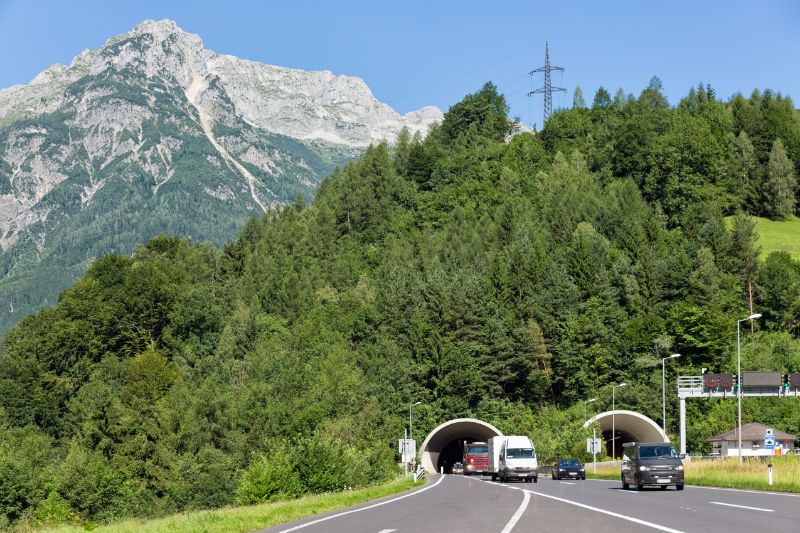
x,y
269,477
93,487
54,510
326,465
24,455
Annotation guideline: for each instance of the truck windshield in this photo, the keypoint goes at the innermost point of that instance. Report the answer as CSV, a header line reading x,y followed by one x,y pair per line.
x,y
478,449
649,452
520,453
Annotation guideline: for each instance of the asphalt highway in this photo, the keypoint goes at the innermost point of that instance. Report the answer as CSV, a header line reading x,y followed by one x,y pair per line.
x,y
473,504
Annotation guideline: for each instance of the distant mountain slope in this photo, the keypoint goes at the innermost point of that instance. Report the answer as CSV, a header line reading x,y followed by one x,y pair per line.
x,y
152,133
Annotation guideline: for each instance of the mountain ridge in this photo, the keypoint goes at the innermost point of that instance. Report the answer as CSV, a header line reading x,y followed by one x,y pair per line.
x,y
152,133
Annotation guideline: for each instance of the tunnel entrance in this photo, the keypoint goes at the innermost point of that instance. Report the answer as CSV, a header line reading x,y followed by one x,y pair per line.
x,y
445,444
629,426
616,448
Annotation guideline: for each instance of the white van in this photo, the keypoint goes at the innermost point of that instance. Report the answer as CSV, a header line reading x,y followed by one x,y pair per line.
x,y
513,457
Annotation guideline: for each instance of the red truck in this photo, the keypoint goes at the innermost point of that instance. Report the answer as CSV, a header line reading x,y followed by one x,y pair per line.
x,y
476,458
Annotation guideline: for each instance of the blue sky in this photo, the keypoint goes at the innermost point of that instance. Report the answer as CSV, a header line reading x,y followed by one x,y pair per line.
x,y
414,53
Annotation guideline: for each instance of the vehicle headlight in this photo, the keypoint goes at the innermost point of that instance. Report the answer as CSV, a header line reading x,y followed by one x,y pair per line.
x,y
643,468
679,467
582,469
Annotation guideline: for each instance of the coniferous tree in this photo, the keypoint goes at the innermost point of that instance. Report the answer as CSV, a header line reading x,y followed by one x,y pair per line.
x,y
779,188
602,100
577,99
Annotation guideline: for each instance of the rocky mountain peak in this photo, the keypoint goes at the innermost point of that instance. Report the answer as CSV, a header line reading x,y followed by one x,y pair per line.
x,y
151,134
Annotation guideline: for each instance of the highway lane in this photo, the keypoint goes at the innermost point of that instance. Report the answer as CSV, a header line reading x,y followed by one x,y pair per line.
x,y
699,509
473,504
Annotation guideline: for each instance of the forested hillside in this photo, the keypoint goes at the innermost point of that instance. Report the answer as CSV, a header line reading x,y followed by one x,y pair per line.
x,y
508,279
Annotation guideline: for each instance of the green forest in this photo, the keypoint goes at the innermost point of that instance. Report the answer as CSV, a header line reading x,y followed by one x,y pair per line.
x,y
504,277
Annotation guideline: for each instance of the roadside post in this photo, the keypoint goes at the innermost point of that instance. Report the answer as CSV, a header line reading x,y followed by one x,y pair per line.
x,y
769,474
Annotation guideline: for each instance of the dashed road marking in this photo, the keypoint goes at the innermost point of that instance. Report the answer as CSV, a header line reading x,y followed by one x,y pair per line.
x,y
744,507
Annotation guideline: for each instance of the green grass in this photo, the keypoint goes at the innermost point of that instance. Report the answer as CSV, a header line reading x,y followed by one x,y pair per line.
x,y
751,475
775,236
727,473
243,519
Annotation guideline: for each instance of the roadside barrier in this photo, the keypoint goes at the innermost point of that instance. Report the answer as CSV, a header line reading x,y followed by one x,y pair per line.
x,y
419,473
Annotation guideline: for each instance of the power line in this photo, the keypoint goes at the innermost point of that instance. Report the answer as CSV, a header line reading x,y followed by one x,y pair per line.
x,y
548,88
456,78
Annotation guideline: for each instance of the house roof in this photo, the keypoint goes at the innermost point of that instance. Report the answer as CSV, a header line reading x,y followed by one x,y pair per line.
x,y
752,431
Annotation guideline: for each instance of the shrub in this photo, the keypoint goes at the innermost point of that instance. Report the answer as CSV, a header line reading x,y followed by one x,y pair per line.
x,y
54,510
269,477
24,454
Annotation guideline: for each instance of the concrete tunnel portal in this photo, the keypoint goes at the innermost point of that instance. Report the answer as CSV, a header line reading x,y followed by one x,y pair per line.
x,y
628,426
444,444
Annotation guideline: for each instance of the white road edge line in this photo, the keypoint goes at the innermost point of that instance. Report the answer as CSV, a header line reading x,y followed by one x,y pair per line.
x,y
567,483
323,519
743,507
518,514
597,509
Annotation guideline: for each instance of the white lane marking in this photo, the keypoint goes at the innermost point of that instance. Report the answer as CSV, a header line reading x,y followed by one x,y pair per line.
x,y
764,492
743,507
386,530
518,514
567,483
317,521
597,509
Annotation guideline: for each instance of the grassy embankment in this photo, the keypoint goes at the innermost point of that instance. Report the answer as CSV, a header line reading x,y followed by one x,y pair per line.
x,y
778,236
244,519
728,473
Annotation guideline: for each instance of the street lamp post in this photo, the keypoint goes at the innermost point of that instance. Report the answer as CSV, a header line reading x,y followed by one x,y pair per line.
x,y
594,438
739,380
614,388
410,431
664,392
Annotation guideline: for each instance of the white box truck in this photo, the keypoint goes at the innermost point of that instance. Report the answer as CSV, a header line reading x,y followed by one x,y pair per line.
x,y
513,457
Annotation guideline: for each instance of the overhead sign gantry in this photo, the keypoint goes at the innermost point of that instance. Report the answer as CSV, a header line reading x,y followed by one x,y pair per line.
x,y
764,384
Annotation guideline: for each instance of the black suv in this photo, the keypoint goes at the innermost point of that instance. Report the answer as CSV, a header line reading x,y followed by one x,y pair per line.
x,y
651,463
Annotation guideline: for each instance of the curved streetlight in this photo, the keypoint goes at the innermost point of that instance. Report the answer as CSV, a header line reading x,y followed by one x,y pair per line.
x,y
614,387
739,379
584,407
410,432
664,392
